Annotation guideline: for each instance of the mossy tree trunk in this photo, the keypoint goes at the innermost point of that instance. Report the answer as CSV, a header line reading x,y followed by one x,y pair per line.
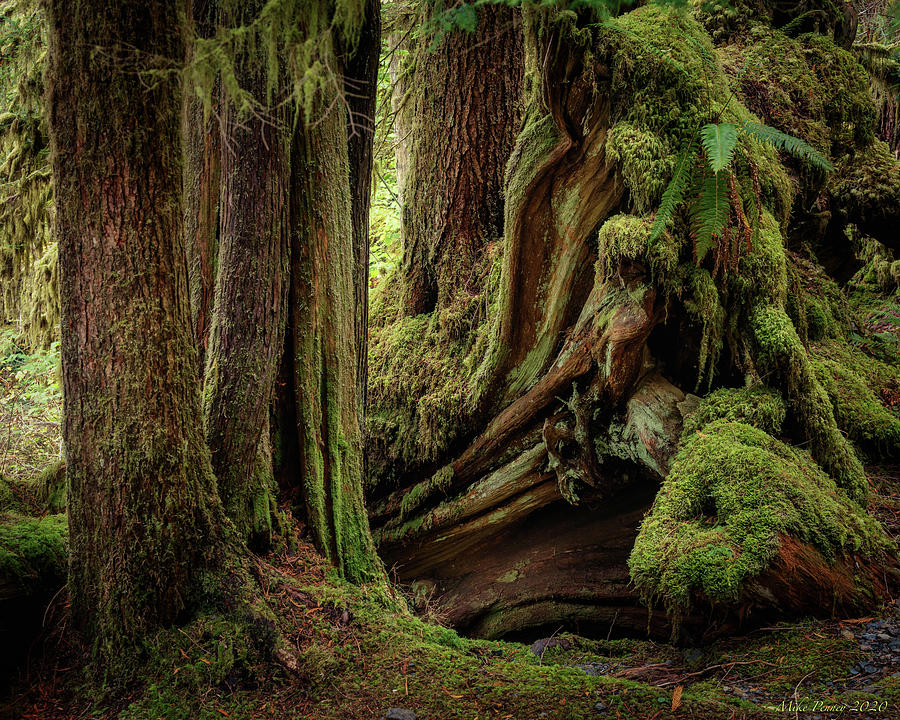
x,y
465,104
252,279
324,342
574,381
144,516
360,89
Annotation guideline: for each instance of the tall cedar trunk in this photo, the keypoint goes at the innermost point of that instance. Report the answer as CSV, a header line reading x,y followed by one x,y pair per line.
x,y
323,329
144,516
201,192
250,297
466,110
360,86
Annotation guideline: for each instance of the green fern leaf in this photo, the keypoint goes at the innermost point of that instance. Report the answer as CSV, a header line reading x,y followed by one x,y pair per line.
x,y
719,141
790,144
710,213
674,193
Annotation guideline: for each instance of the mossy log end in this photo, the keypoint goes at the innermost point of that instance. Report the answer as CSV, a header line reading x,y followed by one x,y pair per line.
x,y
551,464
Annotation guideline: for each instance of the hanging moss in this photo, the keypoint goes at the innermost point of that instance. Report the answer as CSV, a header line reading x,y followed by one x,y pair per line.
x,y
733,493
646,160
28,284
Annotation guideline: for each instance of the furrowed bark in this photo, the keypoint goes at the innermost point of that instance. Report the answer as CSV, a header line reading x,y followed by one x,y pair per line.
x,y
201,192
144,516
360,87
466,108
323,327
248,321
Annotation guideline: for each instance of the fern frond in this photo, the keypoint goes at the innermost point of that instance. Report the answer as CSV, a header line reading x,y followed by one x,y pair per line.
x,y
709,214
790,144
673,195
719,141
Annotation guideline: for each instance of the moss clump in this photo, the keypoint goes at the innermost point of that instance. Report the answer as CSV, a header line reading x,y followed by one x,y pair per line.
x,y
760,407
865,185
645,160
858,411
778,350
33,553
718,519
626,238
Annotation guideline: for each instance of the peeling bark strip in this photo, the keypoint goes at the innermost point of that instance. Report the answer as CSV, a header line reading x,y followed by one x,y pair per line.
x,y
201,192
248,321
465,101
144,516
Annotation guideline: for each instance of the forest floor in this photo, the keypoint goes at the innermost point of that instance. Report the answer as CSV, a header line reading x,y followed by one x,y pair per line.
x,y
363,656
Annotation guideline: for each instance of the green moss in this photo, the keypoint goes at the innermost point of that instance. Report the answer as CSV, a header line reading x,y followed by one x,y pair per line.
x,y
717,521
33,552
778,350
858,411
760,407
865,182
626,238
51,487
645,161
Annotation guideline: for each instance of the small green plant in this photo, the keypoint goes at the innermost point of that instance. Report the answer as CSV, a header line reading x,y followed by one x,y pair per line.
x,y
704,173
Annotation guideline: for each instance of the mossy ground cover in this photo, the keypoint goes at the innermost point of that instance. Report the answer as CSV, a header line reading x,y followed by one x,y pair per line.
x,y
361,653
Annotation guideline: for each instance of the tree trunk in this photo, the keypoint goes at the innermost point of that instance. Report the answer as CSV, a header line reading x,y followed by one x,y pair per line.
x,y
360,88
466,108
144,517
250,300
570,381
201,191
325,348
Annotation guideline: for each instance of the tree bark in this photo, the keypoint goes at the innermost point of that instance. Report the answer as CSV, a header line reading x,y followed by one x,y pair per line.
x,y
201,192
144,516
325,348
465,106
250,298
360,88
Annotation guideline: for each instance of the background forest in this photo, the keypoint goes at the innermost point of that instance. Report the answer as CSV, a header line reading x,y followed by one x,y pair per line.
x,y
428,359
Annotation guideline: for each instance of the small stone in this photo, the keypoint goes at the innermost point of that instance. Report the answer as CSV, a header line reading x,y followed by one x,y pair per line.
x,y
884,637
871,637
692,656
870,668
399,714
854,670
848,635
599,706
894,645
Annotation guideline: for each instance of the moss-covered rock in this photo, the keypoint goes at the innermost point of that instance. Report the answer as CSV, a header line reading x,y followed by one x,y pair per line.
x,y
719,520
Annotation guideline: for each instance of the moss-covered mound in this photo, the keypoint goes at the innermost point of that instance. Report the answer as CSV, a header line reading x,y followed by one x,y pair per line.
x,y
760,407
33,554
732,503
